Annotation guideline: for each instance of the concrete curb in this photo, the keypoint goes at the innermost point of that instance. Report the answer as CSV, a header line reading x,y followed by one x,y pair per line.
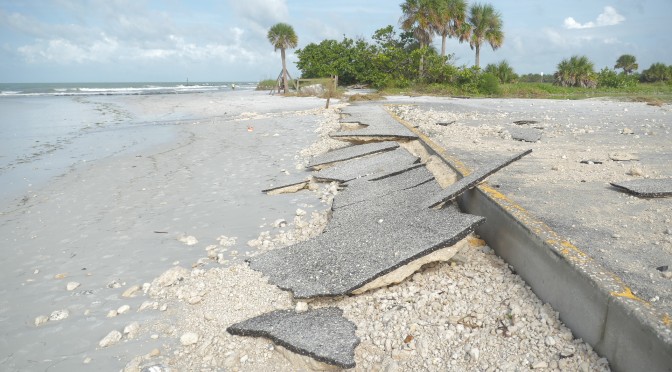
x,y
594,303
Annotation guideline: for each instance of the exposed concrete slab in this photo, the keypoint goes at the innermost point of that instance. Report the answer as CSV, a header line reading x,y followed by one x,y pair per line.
x,y
379,163
379,125
351,152
322,334
369,189
473,179
525,134
365,243
647,188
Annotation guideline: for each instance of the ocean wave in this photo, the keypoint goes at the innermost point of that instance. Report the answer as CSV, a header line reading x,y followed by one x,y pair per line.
x,y
89,89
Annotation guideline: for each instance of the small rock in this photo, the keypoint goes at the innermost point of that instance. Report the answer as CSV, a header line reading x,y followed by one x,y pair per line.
x,y
667,274
112,313
627,131
131,291
280,223
59,315
188,240
622,156
539,365
300,212
131,330
145,305
170,277
301,307
112,338
123,309
163,307
41,320
662,268
635,171
71,286
549,341
154,353
87,360
60,276
189,338
474,353
194,300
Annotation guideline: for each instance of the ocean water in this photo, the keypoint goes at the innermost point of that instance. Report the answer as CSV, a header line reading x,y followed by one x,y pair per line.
x,y
45,129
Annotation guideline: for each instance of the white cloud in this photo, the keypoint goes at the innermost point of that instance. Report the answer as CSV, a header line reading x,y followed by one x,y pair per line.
x,y
609,17
262,12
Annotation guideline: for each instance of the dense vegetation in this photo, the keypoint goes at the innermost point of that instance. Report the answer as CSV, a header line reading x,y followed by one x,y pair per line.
x,y
397,60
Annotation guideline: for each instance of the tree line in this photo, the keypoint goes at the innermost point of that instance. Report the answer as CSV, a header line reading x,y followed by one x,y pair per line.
x,y
399,58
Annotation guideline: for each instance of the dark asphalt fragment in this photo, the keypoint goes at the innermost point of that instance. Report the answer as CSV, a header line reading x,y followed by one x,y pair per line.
x,y
647,188
383,163
322,334
379,125
525,134
352,152
473,179
361,243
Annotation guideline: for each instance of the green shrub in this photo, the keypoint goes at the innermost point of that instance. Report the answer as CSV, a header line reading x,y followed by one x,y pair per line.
x,y
489,84
608,78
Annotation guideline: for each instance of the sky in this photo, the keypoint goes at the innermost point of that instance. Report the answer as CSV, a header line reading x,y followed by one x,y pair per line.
x,y
225,40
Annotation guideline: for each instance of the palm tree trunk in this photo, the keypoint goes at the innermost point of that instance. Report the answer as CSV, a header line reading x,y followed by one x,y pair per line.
x,y
284,70
478,55
443,45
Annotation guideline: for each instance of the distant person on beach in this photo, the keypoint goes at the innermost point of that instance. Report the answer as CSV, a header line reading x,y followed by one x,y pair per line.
x,y
233,86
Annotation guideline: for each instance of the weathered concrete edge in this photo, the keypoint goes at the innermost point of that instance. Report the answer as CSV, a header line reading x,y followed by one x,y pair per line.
x,y
593,302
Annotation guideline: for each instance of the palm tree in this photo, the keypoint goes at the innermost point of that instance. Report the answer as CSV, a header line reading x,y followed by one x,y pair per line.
x,y
578,71
420,16
451,21
282,36
627,62
486,26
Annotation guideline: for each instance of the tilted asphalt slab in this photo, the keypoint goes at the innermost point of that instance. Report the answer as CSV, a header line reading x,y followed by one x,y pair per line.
x,y
322,334
351,152
647,188
367,189
473,179
348,256
374,164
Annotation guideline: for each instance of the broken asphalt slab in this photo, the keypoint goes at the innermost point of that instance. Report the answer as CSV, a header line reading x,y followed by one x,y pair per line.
x,y
647,188
379,125
359,249
368,189
383,163
525,134
471,180
351,152
322,334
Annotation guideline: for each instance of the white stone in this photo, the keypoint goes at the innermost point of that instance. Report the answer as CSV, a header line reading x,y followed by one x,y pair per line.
x,y
123,309
131,330
300,212
71,286
189,338
549,341
188,240
474,353
279,223
112,313
539,365
301,307
112,338
41,320
59,315
131,291
170,277
87,360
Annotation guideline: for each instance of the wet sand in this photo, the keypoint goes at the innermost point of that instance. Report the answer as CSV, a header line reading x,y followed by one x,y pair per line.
x,y
120,221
